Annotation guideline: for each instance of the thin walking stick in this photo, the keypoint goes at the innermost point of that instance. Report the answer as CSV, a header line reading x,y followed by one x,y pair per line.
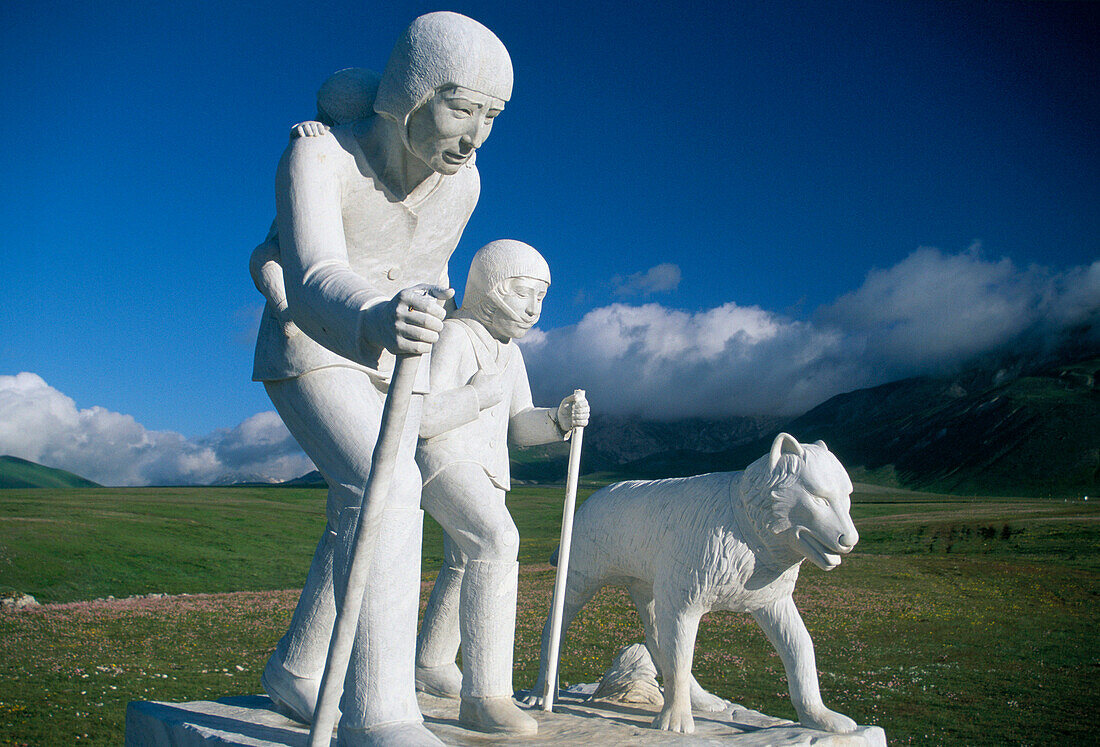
x,y
377,489
572,476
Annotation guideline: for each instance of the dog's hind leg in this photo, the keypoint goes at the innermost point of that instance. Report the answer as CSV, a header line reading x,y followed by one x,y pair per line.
x,y
641,592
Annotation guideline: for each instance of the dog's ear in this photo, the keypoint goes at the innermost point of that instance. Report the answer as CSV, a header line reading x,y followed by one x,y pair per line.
x,y
821,443
784,443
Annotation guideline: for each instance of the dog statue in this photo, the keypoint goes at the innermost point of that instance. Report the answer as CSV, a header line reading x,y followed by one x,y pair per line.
x,y
726,540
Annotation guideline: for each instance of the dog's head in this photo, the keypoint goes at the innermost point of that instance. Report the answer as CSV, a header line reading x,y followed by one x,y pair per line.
x,y
801,495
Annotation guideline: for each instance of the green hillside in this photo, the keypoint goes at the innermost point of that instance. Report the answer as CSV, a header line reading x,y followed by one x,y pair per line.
x,y
20,473
1035,434
985,431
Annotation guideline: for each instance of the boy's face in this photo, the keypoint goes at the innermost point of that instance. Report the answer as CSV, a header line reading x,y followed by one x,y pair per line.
x,y
520,305
446,130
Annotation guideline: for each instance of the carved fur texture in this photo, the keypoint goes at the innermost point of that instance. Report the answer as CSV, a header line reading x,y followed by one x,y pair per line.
x,y
732,541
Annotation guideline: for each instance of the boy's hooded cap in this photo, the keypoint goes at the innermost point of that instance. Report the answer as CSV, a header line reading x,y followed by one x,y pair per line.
x,y
499,260
439,49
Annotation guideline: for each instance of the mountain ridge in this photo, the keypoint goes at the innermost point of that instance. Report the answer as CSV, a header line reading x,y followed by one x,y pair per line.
x,y
1012,431
1015,426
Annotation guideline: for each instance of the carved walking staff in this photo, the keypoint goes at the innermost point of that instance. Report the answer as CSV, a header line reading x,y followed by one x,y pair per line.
x,y
572,477
394,414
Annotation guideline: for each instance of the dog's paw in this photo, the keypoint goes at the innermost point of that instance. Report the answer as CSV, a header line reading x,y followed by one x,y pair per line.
x,y
532,700
536,696
675,719
701,700
827,720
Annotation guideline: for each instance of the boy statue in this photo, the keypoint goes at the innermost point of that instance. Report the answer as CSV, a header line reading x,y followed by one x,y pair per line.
x,y
480,399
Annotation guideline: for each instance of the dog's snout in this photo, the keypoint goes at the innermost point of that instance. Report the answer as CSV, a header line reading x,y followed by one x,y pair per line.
x,y
848,540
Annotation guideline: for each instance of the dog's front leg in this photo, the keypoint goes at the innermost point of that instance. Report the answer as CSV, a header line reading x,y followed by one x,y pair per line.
x,y
784,628
676,629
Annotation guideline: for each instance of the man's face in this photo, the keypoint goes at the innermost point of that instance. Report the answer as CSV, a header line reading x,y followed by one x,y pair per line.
x,y
446,130
520,302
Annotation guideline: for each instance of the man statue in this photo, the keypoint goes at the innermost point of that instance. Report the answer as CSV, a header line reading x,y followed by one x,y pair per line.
x,y
368,214
480,400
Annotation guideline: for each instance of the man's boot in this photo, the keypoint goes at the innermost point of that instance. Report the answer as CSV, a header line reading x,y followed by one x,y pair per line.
x,y
292,676
437,644
488,625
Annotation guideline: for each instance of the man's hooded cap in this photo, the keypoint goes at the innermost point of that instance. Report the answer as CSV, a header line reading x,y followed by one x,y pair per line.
x,y
436,50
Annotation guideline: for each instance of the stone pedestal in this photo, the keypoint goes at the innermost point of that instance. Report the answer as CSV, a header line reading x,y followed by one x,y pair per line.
x,y
251,720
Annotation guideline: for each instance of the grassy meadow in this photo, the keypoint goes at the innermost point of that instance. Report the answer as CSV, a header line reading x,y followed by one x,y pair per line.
x,y
956,621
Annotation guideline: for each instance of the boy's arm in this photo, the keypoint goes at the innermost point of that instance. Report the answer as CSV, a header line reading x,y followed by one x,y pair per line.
x,y
529,425
455,398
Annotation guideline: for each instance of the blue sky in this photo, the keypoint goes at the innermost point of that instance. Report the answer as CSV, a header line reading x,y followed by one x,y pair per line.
x,y
781,164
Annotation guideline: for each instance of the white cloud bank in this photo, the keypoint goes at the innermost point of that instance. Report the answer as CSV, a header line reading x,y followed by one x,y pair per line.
x,y
927,314
39,423
932,311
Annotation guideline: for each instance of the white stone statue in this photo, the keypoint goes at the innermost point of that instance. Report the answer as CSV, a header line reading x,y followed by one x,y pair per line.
x,y
727,540
480,400
368,213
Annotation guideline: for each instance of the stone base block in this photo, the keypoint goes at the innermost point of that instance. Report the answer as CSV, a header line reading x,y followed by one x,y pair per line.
x,y
251,720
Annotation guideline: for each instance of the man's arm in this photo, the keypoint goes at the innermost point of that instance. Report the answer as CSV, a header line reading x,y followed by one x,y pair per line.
x,y
328,300
444,281
264,265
